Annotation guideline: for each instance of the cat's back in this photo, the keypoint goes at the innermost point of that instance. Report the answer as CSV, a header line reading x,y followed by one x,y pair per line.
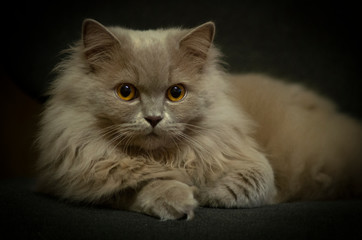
x,y
308,142
275,104
256,91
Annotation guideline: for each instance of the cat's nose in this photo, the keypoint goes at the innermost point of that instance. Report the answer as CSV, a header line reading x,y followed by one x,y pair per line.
x,y
153,120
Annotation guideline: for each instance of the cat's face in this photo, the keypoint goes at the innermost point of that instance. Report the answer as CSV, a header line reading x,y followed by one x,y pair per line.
x,y
147,88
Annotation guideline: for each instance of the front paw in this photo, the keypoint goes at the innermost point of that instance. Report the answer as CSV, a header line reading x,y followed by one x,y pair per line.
x,y
166,199
238,190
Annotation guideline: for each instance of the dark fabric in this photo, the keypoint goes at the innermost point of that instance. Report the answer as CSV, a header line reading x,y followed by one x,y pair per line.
x,y
27,215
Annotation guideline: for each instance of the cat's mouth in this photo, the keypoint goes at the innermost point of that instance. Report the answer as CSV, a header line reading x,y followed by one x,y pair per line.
x,y
152,141
152,135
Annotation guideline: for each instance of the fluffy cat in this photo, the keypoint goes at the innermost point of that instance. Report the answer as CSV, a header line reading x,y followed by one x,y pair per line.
x,y
148,121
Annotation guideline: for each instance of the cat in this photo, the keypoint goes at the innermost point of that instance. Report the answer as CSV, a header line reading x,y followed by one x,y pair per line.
x,y
148,121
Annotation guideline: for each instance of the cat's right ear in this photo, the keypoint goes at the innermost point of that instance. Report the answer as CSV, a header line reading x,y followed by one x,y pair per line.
x,y
99,44
196,44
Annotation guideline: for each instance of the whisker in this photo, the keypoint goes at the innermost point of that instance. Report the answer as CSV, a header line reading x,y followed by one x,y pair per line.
x,y
118,134
98,135
200,129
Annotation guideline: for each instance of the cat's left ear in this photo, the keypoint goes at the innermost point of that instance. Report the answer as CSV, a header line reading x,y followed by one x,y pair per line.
x,y
198,41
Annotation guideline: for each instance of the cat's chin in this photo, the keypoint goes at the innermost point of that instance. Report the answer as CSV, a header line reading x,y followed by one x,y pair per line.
x,y
152,141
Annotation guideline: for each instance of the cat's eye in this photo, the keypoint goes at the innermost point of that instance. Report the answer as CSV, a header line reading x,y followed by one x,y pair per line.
x,y
176,92
126,92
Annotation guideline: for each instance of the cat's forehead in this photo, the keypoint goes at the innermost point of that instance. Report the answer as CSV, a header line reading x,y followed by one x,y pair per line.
x,y
151,57
144,38
152,42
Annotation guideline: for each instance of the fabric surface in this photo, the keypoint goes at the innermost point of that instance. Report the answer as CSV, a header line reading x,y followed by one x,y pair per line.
x,y
28,215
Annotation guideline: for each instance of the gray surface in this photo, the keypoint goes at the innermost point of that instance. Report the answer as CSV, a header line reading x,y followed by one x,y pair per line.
x,y
27,215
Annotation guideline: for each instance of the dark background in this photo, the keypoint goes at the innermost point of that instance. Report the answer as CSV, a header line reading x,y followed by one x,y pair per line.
x,y
317,43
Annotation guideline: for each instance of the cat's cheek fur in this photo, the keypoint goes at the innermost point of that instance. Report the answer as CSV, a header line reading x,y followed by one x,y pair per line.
x,y
187,110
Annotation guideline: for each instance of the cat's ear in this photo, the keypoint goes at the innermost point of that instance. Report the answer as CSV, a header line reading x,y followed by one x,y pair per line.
x,y
198,41
100,45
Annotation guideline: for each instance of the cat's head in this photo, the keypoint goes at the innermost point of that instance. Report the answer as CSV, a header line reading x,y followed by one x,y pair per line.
x,y
145,88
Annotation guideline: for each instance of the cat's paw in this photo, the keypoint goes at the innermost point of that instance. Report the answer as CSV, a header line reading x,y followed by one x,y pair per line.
x,y
238,190
166,199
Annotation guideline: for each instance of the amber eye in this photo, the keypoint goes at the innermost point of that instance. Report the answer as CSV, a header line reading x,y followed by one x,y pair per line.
x,y
176,92
126,92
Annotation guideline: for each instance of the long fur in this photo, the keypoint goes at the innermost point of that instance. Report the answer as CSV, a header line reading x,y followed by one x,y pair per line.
x,y
233,141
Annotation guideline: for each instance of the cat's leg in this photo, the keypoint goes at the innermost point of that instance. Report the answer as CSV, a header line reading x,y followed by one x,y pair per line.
x,y
127,183
166,199
240,184
151,188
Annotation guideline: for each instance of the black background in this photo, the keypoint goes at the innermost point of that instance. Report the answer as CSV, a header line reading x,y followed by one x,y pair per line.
x,y
313,42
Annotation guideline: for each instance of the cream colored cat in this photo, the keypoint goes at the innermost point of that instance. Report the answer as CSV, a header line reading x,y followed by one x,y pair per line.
x,y
148,121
